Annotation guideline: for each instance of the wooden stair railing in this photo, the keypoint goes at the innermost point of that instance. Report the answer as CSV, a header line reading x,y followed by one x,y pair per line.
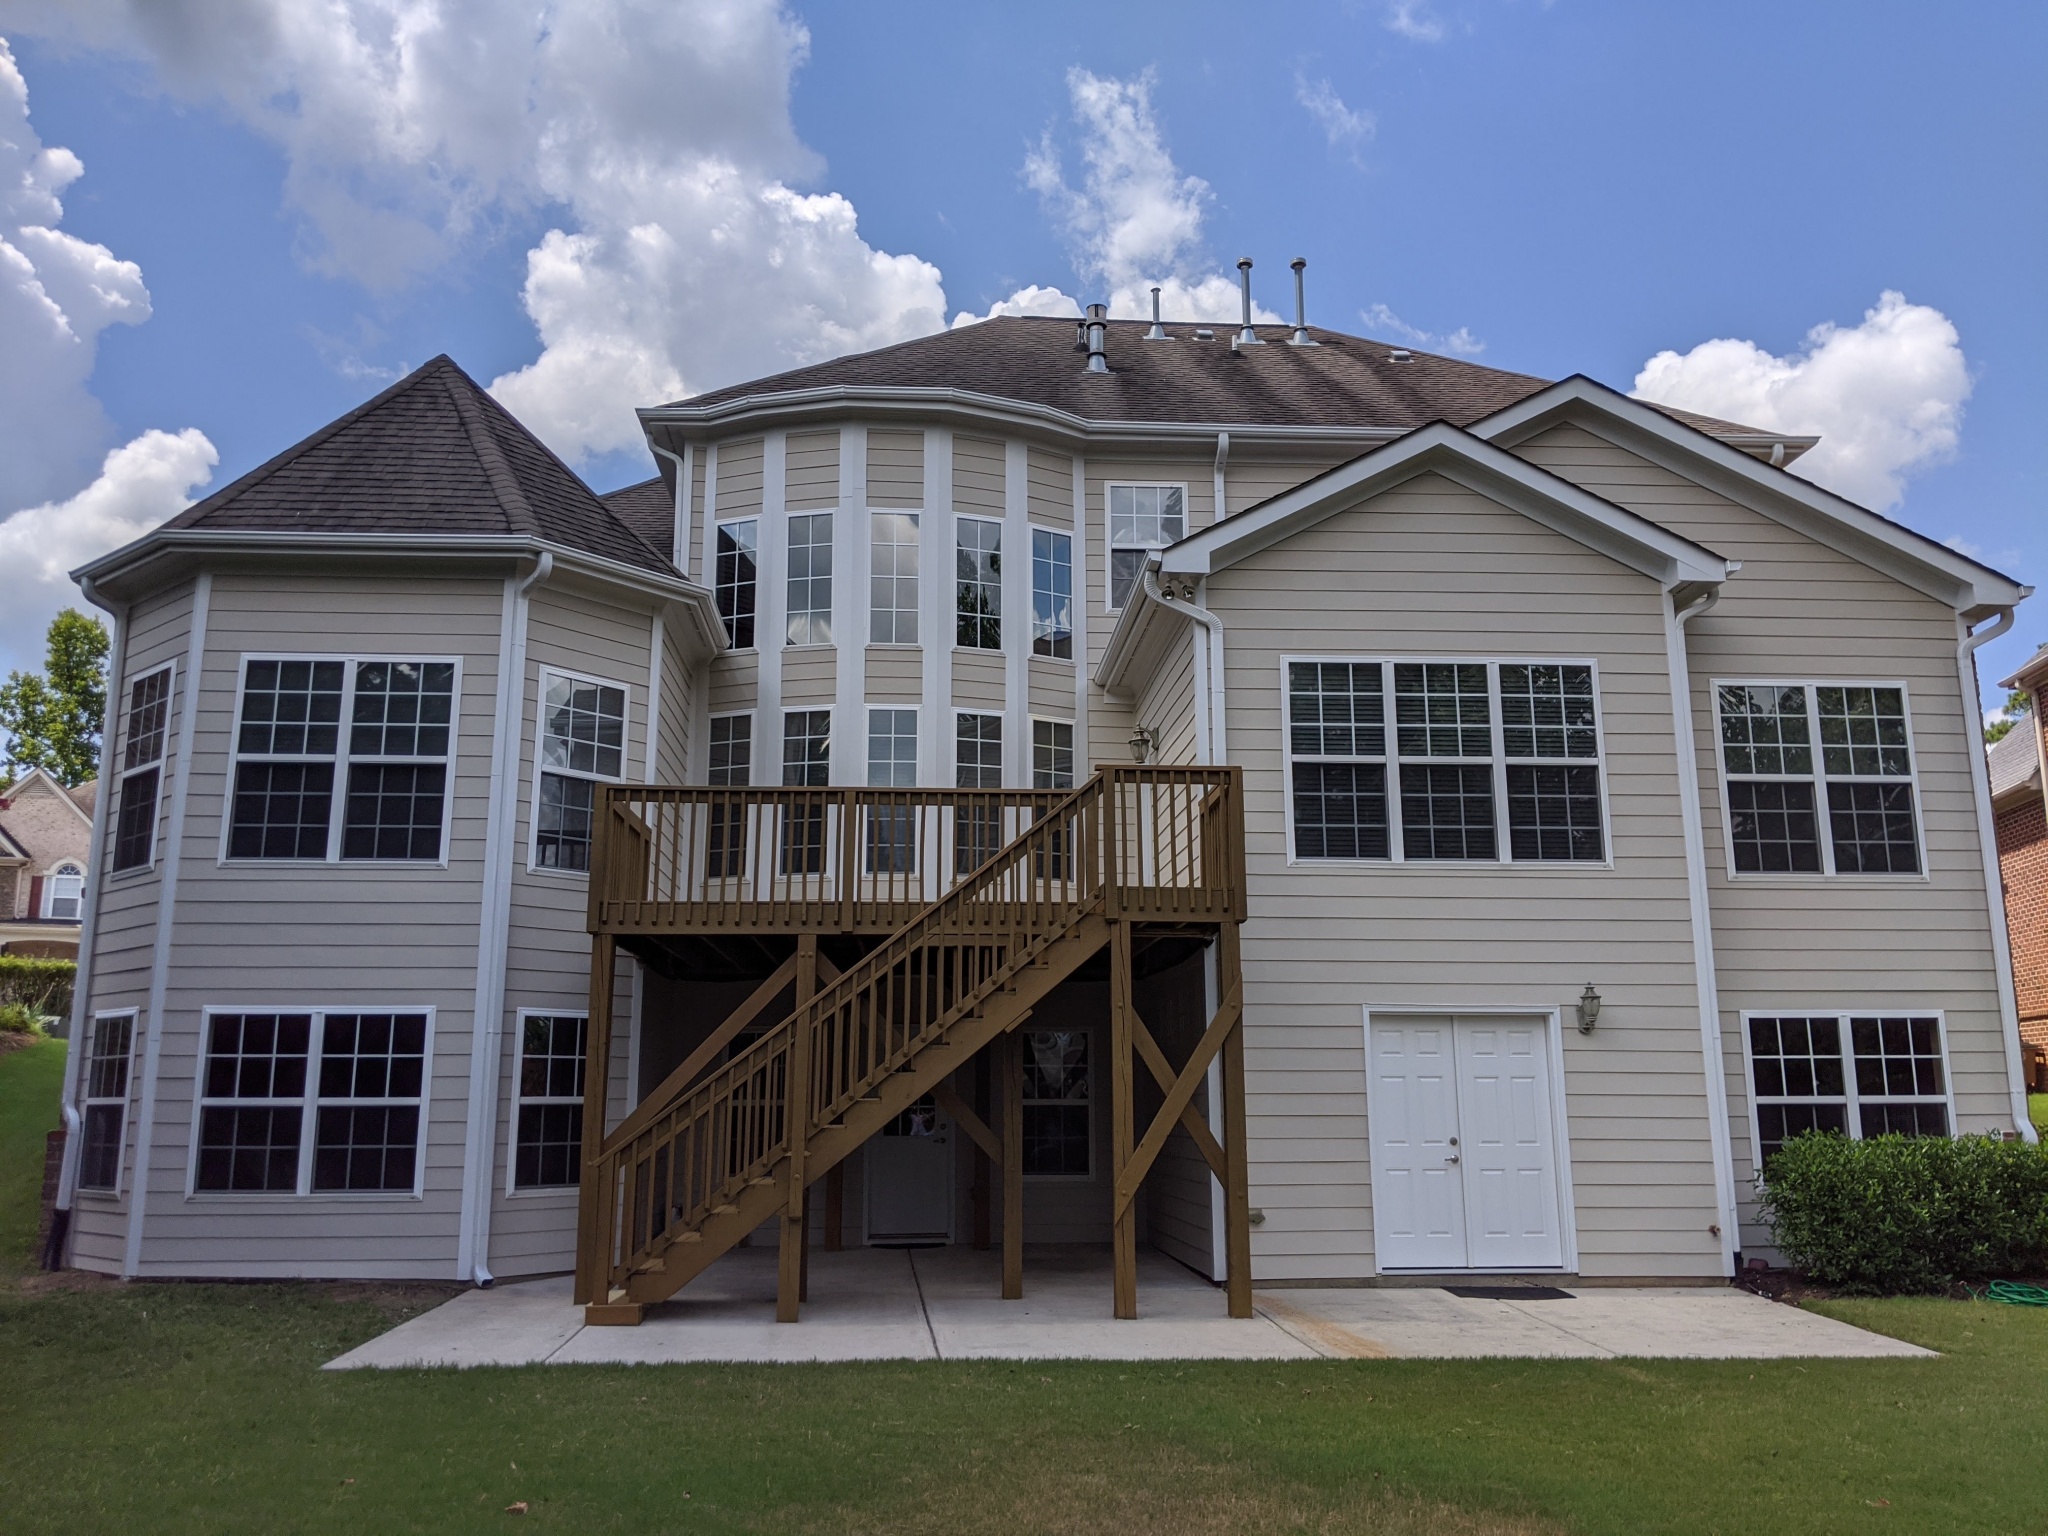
x,y
680,1183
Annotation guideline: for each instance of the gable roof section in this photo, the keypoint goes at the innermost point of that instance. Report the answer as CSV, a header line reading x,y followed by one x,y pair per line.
x,y
55,790
1972,588
434,454
2015,760
648,508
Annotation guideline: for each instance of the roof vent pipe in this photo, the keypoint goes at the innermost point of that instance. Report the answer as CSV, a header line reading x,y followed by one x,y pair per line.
x,y
1247,337
1301,335
1158,331
1097,327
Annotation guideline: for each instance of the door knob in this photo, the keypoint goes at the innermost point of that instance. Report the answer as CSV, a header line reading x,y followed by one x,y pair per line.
x,y
1452,1158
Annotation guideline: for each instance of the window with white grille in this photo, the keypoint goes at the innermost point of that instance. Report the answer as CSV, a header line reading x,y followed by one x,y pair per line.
x,y
110,1050
892,580
547,1139
582,745
1859,1075
810,579
145,726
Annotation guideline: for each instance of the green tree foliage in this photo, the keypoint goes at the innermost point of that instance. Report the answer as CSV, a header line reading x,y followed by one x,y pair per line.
x,y
2018,705
52,718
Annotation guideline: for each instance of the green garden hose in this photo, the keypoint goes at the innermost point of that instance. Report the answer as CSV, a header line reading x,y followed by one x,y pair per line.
x,y
2017,1293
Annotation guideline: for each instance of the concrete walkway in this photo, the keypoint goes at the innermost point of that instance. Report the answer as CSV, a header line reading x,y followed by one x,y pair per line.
x,y
943,1304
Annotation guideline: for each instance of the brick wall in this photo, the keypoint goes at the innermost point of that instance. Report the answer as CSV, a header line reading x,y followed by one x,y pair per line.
x,y
2023,865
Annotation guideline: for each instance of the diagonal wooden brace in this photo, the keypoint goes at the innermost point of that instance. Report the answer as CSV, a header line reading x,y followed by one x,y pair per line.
x,y
976,1128
1179,1097
1190,1117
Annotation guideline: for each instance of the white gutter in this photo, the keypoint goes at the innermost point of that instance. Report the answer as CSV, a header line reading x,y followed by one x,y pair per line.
x,y
81,981
1712,1059
166,915
679,555
487,1022
1987,841
1222,505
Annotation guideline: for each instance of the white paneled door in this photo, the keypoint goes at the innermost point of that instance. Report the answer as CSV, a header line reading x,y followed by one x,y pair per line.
x,y
1464,1160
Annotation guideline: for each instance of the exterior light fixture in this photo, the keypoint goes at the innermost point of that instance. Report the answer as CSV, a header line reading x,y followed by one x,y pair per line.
x,y
1589,1009
1143,740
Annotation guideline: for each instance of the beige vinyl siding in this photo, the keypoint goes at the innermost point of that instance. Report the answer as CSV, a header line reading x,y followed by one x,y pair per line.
x,y
1049,487
326,935
1798,610
159,630
895,469
694,555
1249,481
895,674
978,679
978,474
1431,569
809,674
1051,685
734,682
681,686
1177,1192
812,470
739,478
1167,705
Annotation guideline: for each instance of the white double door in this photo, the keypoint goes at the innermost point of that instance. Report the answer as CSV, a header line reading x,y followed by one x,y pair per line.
x,y
1464,1155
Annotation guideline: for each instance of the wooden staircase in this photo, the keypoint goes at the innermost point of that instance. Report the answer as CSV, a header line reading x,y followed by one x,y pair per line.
x,y
711,1156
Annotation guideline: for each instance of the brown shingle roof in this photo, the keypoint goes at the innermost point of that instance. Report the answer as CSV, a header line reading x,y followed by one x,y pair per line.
x,y
433,454
1346,381
648,509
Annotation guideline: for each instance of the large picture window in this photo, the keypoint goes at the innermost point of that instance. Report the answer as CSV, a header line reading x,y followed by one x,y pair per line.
x,y
1858,1075
381,730
891,842
145,725
1142,518
1429,761
314,1102
807,764
1058,1113
1052,594
978,584
547,1138
1818,779
109,1050
582,745
892,580
734,580
730,765
810,579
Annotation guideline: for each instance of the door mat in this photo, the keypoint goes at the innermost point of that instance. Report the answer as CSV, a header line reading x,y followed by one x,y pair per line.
x,y
1509,1292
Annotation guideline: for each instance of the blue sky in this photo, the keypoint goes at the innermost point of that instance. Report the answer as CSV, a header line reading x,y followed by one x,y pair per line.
x,y
1571,187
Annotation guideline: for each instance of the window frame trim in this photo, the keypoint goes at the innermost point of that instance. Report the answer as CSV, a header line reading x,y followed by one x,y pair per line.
x,y
1852,1102
980,712
1498,763
730,714
86,1100
1032,531
832,580
159,763
717,523
1002,645
1827,874
916,516
1094,1160
1031,750
337,811
67,865
543,671
309,1102
1109,544
513,1189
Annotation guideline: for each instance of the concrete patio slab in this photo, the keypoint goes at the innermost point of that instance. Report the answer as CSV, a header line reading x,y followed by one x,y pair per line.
x,y
943,1304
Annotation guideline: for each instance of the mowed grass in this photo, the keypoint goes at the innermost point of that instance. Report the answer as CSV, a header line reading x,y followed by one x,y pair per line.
x,y
202,1408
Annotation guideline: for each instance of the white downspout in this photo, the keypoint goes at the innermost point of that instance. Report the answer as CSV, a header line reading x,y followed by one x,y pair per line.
x,y
1221,508
1994,881
487,1023
81,982
679,550
1211,745
1712,1062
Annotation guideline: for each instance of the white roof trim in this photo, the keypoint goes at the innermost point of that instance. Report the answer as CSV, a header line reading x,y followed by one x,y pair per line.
x,y
1492,472
1908,557
1143,612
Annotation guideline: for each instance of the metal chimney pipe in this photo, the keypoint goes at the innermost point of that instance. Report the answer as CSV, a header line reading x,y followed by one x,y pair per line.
x,y
1301,335
1097,326
1158,331
1247,337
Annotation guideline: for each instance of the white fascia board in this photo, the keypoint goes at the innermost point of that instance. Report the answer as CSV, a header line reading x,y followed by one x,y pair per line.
x,y
1907,557
1135,626
1551,500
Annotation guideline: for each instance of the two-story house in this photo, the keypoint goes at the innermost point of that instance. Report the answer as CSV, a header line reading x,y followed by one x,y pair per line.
x,y
1325,811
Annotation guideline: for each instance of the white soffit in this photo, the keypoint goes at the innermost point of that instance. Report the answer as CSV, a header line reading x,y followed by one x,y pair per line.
x,y
1907,557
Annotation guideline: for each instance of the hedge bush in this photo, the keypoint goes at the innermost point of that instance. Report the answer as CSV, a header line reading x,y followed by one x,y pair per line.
x,y
41,986
1909,1214
18,1020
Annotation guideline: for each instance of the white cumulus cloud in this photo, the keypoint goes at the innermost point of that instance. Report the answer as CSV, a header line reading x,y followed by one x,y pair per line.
x,y
1348,131
1462,342
1886,396
1415,20
139,486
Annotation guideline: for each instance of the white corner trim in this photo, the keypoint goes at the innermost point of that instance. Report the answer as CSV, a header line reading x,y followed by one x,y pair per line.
x,y
166,917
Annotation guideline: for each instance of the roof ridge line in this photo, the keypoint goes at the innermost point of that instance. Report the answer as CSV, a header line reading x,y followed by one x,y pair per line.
x,y
519,513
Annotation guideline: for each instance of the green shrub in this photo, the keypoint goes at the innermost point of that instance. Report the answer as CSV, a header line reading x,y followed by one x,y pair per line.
x,y
41,986
19,1019
1906,1214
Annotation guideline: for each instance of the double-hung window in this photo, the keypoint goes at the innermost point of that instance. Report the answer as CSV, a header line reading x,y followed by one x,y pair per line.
x,y
144,728
1052,754
111,1047
806,763
64,893
382,730
892,579
892,764
1855,1074
1426,761
977,764
810,579
547,1140
1797,755
734,577
731,765
978,584
582,745
316,1102
1052,594
1058,1114
1142,518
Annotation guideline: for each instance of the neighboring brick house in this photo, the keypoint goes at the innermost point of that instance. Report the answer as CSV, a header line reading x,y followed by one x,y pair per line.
x,y
2019,801
45,839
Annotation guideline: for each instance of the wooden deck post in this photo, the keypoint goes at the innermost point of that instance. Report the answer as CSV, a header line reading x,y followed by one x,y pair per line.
x,y
983,1191
1010,1065
1237,1215
1123,1237
595,1194
796,1129
835,1207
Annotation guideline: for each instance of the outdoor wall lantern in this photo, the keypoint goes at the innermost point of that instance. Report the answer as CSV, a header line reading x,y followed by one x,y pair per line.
x,y
1589,1009
1143,740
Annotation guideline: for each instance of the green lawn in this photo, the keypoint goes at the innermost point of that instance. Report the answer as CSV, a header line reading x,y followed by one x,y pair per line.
x,y
31,1086
201,1408
2037,1111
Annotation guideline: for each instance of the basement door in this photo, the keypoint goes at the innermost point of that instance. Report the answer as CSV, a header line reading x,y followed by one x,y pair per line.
x,y
1464,1158
910,1178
